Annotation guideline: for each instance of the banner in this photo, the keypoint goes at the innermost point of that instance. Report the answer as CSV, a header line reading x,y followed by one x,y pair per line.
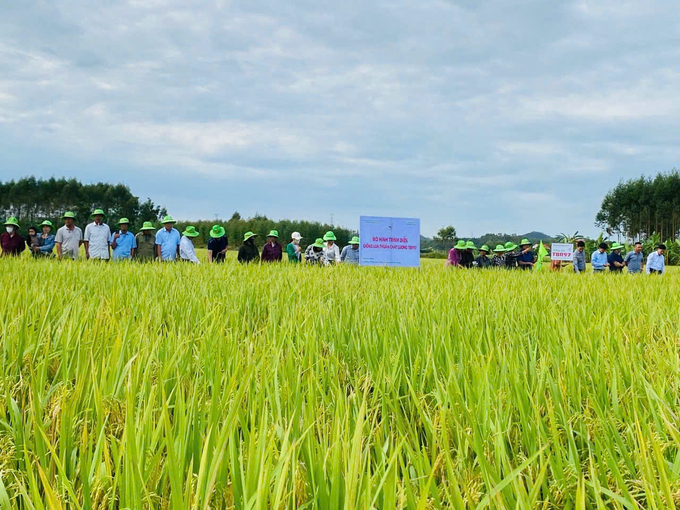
x,y
562,251
393,242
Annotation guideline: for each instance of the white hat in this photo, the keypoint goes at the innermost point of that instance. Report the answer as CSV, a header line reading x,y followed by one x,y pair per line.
x,y
296,236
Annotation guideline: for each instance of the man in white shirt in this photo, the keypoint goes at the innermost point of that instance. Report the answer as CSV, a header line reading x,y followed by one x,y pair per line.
x,y
68,238
187,253
655,262
97,238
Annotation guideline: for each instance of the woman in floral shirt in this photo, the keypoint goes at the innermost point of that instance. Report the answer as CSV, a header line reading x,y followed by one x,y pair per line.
x,y
498,259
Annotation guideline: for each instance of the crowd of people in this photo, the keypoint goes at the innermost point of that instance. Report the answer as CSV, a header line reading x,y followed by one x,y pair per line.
x,y
167,244
164,244
522,256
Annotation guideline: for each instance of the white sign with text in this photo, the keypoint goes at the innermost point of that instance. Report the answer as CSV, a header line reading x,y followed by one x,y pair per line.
x,y
561,251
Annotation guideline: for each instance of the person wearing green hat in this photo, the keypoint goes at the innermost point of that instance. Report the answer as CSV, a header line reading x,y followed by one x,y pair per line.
x,y
68,238
350,253
293,249
615,259
146,243
455,254
314,253
248,251
483,261
123,242
187,253
217,245
272,251
167,240
510,255
498,259
526,258
97,238
331,251
467,256
45,240
11,241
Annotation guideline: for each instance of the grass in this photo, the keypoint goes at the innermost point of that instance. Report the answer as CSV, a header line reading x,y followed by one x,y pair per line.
x,y
179,386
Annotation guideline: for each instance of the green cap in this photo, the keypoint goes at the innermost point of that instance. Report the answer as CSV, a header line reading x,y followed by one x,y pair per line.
x,y
354,240
318,243
216,231
68,214
46,223
617,246
509,246
499,248
12,221
97,212
123,220
329,236
248,235
524,242
147,226
461,245
167,219
485,248
273,233
190,231
470,245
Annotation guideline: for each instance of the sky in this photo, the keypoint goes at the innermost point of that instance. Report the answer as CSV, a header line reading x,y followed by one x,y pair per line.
x,y
492,116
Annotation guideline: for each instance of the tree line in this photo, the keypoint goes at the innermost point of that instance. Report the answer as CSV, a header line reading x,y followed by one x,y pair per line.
x,y
639,208
33,200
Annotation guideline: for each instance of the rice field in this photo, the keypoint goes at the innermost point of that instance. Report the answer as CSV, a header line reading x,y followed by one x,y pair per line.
x,y
193,387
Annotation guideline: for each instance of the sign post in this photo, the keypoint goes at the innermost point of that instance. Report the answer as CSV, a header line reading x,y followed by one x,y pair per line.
x,y
562,251
393,242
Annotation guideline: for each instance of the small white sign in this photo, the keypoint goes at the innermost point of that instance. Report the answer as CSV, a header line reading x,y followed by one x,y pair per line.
x,y
561,251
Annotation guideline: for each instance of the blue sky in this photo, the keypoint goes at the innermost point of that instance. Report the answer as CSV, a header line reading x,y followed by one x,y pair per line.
x,y
493,116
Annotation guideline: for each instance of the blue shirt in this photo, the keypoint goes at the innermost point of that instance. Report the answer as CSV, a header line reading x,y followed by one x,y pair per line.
x,y
168,241
124,245
598,260
526,257
615,257
349,255
633,262
656,262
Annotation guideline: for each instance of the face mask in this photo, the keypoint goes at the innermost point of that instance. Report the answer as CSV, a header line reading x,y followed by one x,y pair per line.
x,y
9,229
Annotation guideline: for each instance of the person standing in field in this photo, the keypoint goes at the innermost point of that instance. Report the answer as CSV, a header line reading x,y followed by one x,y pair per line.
x,y
655,262
350,253
579,257
217,245
45,241
272,251
467,256
187,253
599,259
634,259
97,238
331,252
146,243
314,253
32,240
498,259
615,259
293,250
11,241
248,251
526,257
511,255
123,242
167,240
455,254
68,238
483,260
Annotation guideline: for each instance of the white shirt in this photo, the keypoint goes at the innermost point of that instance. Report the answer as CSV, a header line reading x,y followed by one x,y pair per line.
x,y
69,240
332,254
98,237
186,250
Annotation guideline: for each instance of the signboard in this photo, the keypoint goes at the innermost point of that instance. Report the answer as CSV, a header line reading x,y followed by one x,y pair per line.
x,y
562,251
393,242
